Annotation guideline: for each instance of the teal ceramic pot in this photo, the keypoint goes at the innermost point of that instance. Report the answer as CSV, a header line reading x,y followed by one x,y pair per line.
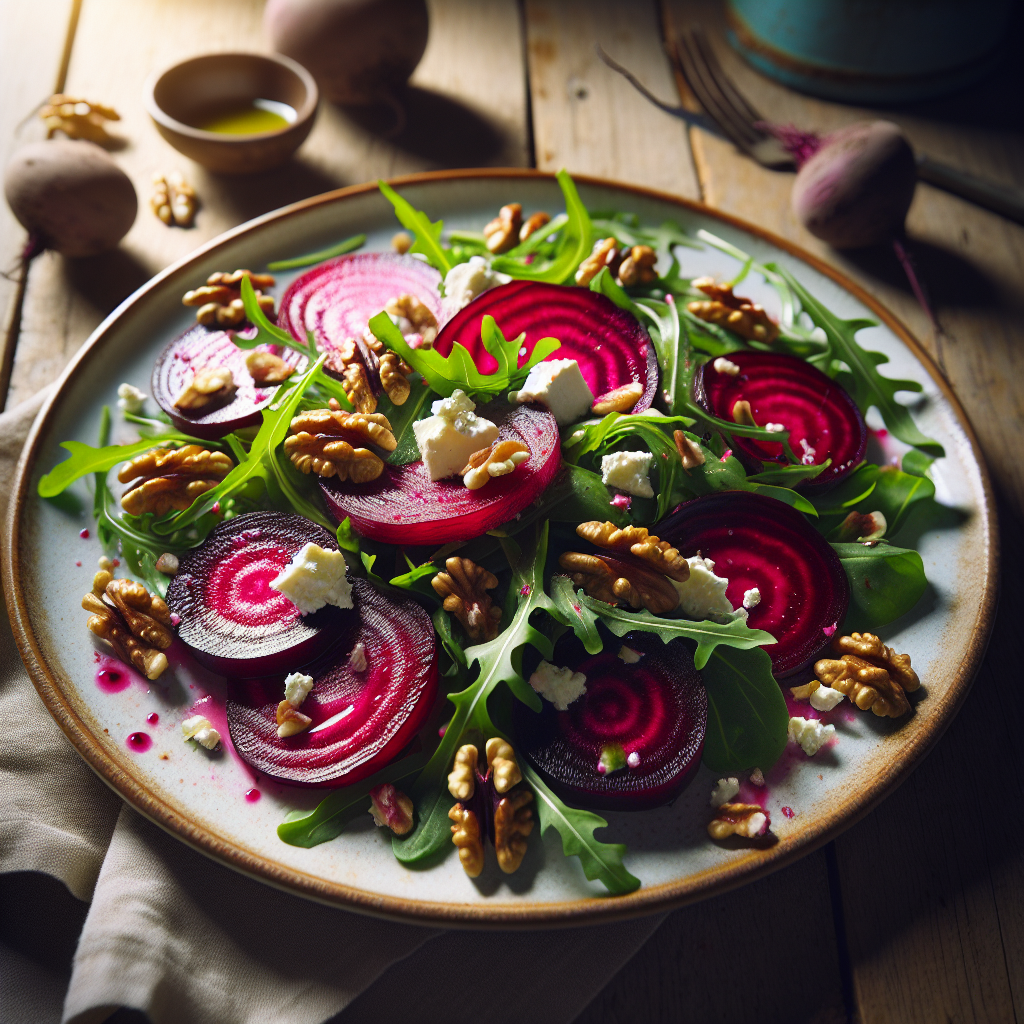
x,y
871,51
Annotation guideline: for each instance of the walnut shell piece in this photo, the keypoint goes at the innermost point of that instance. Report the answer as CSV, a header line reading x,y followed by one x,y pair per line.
x,y
466,837
747,820
136,624
739,315
658,554
330,442
211,385
463,589
170,478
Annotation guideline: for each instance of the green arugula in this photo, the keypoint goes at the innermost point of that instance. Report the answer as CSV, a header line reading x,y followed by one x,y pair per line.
x,y
402,417
355,242
428,235
747,715
885,582
579,615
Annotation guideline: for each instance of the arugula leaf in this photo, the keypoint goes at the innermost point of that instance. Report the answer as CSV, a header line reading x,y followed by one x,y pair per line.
x,y
576,613
602,861
328,819
267,333
355,242
415,578
709,635
747,715
402,418
428,235
885,582
347,539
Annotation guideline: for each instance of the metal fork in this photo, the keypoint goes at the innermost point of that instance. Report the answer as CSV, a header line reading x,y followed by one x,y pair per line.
x,y
695,63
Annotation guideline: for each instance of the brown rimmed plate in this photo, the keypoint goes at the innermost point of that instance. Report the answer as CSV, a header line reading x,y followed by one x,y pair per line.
x,y
202,799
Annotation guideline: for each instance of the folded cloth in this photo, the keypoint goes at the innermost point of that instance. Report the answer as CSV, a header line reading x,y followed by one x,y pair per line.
x,y
184,939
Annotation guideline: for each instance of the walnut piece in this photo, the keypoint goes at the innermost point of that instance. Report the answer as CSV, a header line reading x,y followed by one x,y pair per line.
x,y
266,368
658,554
291,721
502,233
513,822
463,588
499,460
401,242
746,820
638,266
462,777
612,580
324,441
356,384
220,299
867,685
534,223
390,807
214,384
741,316
393,380
689,452
77,118
743,414
604,254
135,623
501,760
170,478
466,837
619,399
173,199
870,648
413,309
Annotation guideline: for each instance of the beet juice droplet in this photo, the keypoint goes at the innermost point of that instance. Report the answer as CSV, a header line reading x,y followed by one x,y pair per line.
x,y
252,795
84,534
112,680
140,742
788,812
152,718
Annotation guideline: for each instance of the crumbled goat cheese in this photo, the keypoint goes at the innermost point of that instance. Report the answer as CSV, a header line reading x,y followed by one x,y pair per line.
x,y
775,428
558,385
633,760
296,688
810,733
751,598
357,659
448,438
465,281
313,578
130,398
809,452
725,791
628,471
757,777
726,366
824,698
702,596
628,655
561,686
199,729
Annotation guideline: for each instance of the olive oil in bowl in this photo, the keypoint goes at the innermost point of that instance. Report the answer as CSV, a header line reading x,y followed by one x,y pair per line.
x,y
246,117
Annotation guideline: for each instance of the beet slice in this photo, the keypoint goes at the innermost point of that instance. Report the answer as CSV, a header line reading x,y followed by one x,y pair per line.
x,y
761,542
404,506
611,346
230,619
361,720
336,299
655,709
201,348
785,389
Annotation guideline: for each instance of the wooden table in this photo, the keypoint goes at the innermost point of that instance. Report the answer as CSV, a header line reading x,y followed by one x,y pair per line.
x,y
915,913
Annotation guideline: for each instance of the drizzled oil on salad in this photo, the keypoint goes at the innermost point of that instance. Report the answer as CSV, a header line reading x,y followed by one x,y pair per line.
x,y
497,531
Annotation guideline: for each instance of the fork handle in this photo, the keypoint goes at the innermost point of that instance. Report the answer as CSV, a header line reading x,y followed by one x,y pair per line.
x,y
1004,199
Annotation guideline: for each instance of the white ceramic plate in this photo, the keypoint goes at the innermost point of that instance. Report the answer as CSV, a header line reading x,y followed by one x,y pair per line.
x,y
202,799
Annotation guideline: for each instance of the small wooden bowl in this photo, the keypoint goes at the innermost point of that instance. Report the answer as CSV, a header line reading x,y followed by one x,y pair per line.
x,y
177,97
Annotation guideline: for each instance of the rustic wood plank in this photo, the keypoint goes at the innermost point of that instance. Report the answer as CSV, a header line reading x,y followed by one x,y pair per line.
x,y
588,119
726,960
467,107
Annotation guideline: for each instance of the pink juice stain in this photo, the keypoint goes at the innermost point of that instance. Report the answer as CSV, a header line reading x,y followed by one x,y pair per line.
x,y
113,676
152,718
789,812
140,742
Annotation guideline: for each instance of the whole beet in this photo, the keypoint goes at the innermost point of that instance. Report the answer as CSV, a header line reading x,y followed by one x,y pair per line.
x,y
71,196
359,51
858,186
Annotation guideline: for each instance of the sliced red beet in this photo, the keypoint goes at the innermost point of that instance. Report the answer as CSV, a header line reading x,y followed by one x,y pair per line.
x,y
201,348
336,299
404,506
761,542
822,419
611,346
652,714
361,719
230,618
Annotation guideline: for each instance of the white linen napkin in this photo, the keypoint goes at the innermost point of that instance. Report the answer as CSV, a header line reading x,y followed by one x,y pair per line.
x,y
184,939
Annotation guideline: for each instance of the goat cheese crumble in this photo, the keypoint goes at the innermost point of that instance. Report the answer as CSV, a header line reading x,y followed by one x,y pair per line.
x,y
629,472
702,596
811,733
448,438
558,385
465,281
296,688
313,578
561,686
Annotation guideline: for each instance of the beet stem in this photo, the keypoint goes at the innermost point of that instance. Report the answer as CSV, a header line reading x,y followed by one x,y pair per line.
x,y
917,286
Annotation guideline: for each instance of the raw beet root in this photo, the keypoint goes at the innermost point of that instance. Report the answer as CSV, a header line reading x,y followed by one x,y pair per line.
x,y
373,713
230,618
656,709
761,542
856,189
785,389
610,345
404,506
336,299
201,348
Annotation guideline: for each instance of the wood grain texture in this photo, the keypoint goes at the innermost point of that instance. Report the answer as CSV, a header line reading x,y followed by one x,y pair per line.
x,y
588,119
466,107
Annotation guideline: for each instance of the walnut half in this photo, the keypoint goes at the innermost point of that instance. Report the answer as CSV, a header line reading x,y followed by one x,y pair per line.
x,y
330,442
170,478
739,315
613,581
658,554
463,588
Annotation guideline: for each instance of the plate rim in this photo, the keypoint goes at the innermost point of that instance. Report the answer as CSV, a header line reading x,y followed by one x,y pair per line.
x,y
665,896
